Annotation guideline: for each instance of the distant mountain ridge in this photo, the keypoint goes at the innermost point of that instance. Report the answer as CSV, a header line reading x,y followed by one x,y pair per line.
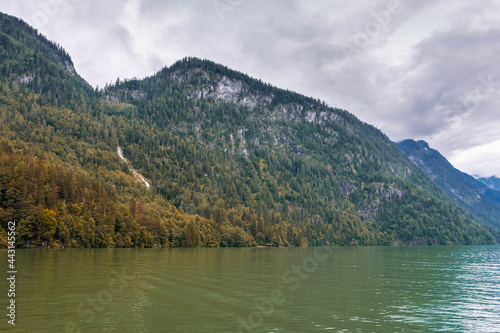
x,y
229,160
491,182
480,200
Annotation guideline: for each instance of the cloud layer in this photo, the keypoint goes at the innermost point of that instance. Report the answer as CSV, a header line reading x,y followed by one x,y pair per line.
x,y
415,69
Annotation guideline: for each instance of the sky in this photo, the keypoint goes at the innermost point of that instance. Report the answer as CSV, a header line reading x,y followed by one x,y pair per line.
x,y
420,69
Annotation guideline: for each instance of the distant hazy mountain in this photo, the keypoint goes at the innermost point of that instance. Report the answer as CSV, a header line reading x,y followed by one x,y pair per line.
x,y
198,155
480,200
491,182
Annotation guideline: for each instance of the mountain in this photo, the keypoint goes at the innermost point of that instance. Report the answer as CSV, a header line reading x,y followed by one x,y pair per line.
x,y
33,61
198,155
478,199
491,182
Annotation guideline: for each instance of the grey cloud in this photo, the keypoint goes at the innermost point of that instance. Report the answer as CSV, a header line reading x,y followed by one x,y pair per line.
x,y
452,65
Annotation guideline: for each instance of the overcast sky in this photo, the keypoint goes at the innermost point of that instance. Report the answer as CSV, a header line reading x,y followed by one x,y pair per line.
x,y
416,69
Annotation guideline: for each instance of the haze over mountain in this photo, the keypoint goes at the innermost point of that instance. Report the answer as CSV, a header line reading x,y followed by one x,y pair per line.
x,y
199,155
491,182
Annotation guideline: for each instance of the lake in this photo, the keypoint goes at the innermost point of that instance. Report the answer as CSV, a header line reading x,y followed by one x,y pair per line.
x,y
347,289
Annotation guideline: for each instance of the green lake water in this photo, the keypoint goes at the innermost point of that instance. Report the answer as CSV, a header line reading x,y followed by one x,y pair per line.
x,y
348,289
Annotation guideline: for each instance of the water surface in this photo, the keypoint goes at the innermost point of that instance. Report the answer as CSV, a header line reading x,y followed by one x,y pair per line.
x,y
349,289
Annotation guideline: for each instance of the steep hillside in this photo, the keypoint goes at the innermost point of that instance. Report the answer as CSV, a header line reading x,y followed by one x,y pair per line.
x,y
30,60
474,196
199,155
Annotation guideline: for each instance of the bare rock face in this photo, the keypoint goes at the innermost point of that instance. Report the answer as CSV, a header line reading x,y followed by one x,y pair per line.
x,y
347,188
26,79
233,91
391,193
69,67
369,213
316,117
228,90
219,87
289,112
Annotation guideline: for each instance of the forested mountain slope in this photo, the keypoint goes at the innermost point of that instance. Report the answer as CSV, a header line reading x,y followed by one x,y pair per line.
x,y
474,196
231,162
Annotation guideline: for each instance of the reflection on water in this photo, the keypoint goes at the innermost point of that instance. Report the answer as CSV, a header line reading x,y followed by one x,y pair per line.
x,y
349,289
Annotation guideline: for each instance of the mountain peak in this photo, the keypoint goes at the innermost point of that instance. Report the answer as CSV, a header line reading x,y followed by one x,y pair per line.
x,y
30,60
23,36
410,143
205,80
